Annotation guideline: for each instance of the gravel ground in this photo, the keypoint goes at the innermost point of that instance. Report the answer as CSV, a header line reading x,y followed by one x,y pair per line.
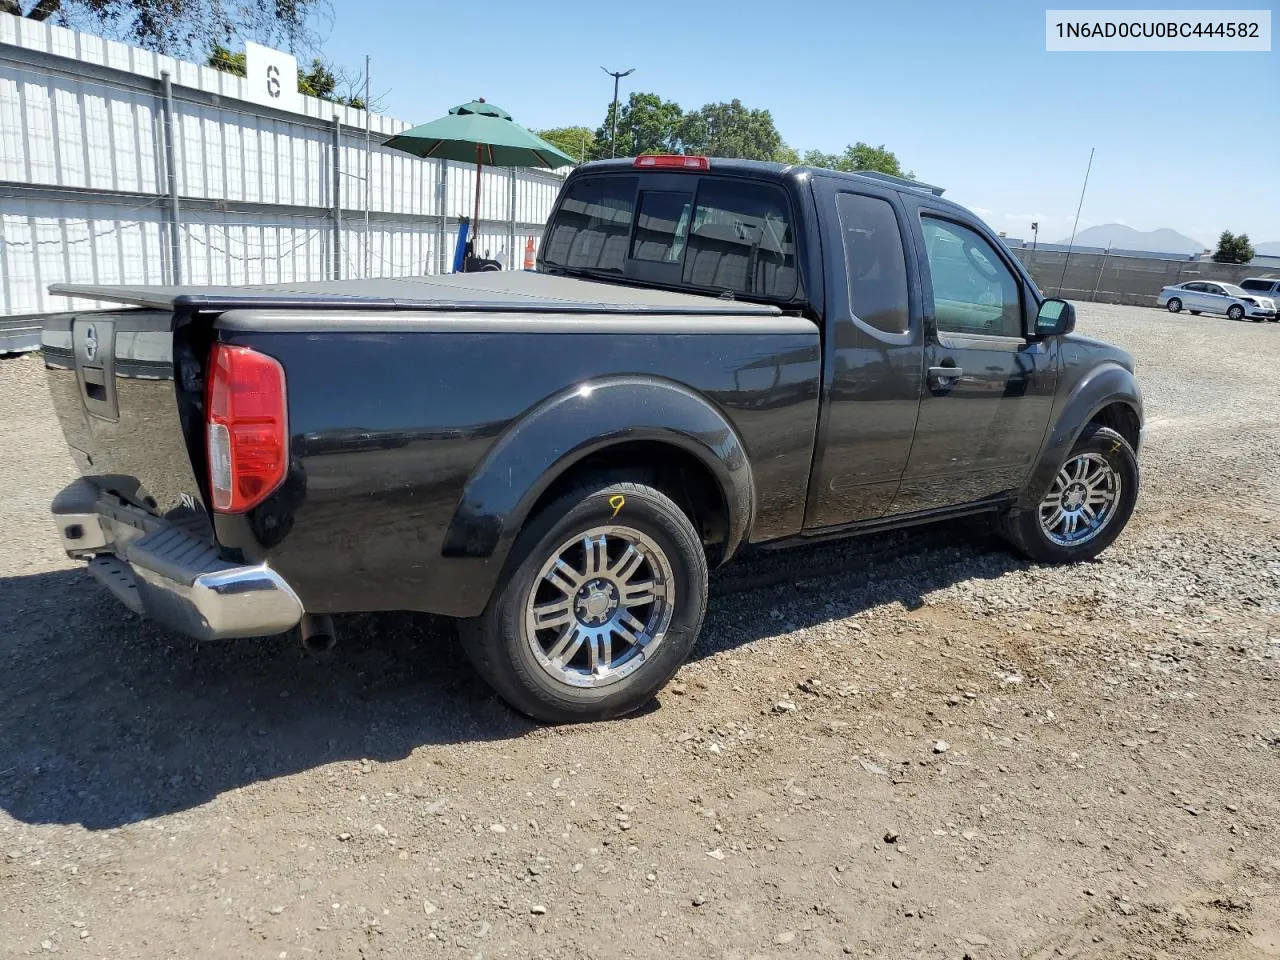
x,y
915,745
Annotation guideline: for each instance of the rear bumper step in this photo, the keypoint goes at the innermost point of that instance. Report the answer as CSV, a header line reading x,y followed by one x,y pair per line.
x,y
163,571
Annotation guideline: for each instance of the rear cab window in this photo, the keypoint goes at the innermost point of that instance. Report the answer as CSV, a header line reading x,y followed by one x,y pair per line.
x,y
1258,286
698,232
875,262
592,224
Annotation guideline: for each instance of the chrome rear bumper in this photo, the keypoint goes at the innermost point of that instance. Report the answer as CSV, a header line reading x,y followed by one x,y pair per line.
x,y
165,571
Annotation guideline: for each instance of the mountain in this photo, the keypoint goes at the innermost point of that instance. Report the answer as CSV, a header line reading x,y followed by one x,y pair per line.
x,y
1119,237
1271,249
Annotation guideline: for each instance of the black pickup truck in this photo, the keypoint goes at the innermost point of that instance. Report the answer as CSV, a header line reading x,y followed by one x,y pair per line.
x,y
710,354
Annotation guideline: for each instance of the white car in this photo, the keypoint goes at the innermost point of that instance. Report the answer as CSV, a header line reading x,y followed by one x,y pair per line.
x,y
1211,296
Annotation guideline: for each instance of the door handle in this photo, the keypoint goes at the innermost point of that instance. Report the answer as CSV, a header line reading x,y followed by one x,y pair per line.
x,y
945,373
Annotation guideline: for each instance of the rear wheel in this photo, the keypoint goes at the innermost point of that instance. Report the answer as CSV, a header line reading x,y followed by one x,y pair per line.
x,y
605,598
1087,505
1235,312
1175,305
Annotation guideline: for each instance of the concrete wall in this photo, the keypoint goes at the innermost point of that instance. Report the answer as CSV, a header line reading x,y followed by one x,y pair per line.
x,y
1137,281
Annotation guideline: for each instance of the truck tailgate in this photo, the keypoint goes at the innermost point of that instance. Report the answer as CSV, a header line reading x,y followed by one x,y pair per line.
x,y
111,375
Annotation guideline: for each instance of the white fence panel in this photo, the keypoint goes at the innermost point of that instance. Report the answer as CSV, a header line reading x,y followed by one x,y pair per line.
x,y
53,241
85,192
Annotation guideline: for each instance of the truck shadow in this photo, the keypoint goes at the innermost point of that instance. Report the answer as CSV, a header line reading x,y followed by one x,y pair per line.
x,y
106,720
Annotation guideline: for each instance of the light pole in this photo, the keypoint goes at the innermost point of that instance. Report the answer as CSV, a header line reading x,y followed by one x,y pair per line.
x,y
1035,234
613,133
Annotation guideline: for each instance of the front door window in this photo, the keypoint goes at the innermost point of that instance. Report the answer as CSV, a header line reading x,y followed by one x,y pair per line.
x,y
973,291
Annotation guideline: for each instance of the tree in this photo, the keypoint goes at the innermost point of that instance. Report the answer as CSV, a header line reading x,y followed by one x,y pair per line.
x,y
787,154
1233,248
319,81
40,10
731,130
181,27
577,142
646,124
858,156
649,124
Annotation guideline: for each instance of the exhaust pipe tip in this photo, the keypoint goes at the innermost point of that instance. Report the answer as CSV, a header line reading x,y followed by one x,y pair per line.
x,y
318,633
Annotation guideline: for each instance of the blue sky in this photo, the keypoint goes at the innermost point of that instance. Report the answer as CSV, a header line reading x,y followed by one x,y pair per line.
x,y
964,93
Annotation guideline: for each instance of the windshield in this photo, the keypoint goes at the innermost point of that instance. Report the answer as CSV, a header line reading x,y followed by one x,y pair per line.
x,y
1233,290
707,234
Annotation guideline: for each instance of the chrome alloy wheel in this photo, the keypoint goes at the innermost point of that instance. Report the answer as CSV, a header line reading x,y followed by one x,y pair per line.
x,y
1082,500
600,606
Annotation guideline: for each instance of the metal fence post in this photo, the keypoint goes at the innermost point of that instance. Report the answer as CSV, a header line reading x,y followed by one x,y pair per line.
x,y
1102,263
511,227
337,198
443,199
171,171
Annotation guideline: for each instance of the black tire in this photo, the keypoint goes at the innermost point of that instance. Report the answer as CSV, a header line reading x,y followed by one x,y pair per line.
x,y
1235,312
496,641
1022,528
1174,305
1194,313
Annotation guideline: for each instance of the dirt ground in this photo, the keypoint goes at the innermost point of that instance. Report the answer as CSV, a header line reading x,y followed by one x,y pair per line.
x,y
914,745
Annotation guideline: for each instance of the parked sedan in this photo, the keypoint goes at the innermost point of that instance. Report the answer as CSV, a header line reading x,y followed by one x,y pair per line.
x,y
1205,296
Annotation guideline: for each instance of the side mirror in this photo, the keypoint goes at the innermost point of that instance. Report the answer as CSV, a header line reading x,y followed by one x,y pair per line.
x,y
1055,318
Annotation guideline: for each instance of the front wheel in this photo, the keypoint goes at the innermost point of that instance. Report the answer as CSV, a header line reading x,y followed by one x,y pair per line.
x,y
1087,505
604,600
1235,312
1174,305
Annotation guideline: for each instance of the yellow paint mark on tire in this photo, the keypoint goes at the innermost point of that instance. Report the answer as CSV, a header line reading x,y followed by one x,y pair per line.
x,y
617,501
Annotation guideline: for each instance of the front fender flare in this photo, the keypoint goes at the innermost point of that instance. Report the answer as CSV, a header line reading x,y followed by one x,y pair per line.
x,y
566,428
1106,384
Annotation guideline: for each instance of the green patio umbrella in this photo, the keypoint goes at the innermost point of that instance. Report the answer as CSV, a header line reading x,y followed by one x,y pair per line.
x,y
483,133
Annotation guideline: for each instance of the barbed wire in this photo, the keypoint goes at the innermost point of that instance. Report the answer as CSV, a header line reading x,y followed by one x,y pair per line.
x,y
262,253
116,227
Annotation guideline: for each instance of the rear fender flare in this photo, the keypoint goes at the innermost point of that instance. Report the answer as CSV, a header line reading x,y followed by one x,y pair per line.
x,y
566,428
1108,383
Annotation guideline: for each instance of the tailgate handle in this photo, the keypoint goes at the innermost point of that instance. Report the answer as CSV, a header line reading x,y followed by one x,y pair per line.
x,y
95,383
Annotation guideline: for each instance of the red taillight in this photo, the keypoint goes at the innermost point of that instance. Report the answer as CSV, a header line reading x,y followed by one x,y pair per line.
x,y
672,161
246,427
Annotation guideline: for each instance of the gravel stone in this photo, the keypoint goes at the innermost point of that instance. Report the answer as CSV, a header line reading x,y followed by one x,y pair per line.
x,y
152,784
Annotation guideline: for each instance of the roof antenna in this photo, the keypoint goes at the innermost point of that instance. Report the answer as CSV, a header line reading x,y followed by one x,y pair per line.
x,y
1072,242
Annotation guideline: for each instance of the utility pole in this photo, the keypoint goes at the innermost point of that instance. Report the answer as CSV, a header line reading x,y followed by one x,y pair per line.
x,y
1035,234
613,133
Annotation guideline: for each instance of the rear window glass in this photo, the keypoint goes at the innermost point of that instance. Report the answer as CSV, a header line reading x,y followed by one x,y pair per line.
x,y
730,236
591,227
661,226
741,241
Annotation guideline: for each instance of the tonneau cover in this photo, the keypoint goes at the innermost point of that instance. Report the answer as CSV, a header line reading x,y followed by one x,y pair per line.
x,y
511,291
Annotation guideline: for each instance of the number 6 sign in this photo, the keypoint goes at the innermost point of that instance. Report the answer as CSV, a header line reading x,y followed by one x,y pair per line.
x,y
272,77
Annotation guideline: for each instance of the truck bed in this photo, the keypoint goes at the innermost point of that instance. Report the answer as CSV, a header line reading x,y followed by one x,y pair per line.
x,y
400,395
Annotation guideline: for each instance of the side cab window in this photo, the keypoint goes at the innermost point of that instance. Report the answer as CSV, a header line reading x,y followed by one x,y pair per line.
x,y
875,262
